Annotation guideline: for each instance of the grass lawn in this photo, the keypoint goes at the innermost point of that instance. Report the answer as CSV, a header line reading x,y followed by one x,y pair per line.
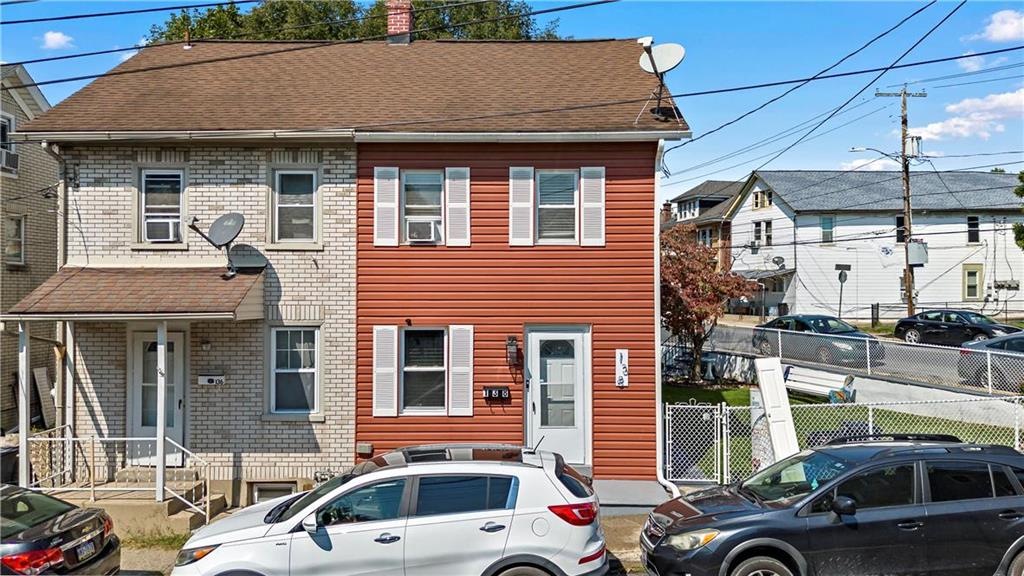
x,y
736,396
883,329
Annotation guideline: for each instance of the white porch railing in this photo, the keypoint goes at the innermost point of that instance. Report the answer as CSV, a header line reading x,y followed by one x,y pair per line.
x,y
62,462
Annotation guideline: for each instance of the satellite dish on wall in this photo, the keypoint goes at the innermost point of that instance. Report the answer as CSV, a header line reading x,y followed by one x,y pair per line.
x,y
780,262
662,58
224,230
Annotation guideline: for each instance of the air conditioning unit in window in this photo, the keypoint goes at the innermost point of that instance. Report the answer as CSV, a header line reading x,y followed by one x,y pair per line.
x,y
8,160
420,231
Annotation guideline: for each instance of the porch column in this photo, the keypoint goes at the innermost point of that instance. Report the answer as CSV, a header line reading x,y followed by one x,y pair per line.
x,y
161,408
69,395
24,402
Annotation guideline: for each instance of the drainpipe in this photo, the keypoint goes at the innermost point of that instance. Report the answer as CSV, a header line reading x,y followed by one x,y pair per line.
x,y
61,401
660,418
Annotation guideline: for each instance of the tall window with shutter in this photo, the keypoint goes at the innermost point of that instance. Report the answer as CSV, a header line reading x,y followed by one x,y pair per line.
x,y
560,207
423,371
421,207
557,201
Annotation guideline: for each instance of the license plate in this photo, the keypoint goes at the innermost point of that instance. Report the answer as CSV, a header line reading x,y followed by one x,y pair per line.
x,y
85,551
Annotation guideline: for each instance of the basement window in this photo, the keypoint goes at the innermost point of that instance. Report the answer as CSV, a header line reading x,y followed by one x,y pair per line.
x,y
263,491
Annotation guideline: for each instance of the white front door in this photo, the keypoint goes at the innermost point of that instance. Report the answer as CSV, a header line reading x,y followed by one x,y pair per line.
x,y
557,410
142,418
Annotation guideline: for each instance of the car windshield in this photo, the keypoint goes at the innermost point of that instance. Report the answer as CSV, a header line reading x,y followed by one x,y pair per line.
x,y
789,480
975,318
22,509
830,325
292,506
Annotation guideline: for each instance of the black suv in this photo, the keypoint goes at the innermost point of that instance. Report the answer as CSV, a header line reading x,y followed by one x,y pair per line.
x,y
899,504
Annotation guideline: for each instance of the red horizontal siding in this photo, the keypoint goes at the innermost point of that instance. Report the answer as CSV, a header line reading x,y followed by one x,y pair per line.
x,y
500,289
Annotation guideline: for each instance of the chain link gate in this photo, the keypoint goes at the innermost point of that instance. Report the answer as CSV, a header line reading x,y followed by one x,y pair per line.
x,y
723,444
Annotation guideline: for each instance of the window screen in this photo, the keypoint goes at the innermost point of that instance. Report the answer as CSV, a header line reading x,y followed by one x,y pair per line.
x,y
828,224
295,209
161,206
556,205
951,481
422,197
460,494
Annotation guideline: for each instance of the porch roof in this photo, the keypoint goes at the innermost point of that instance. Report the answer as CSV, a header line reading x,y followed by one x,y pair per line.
x,y
93,293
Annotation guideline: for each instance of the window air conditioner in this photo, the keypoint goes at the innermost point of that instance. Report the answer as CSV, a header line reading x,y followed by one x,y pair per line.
x,y
420,231
9,160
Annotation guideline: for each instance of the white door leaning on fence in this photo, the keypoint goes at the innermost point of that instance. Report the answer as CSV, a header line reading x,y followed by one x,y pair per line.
x,y
142,399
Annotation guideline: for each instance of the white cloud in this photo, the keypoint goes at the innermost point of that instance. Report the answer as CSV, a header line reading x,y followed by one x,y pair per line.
x,y
127,55
870,164
976,117
53,40
975,63
1003,26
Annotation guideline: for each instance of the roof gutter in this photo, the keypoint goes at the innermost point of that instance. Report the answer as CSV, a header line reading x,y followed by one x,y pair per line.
x,y
632,136
117,317
192,135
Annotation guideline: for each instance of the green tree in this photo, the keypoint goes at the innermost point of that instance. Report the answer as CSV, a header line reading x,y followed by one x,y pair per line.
x,y
1018,229
998,170
319,20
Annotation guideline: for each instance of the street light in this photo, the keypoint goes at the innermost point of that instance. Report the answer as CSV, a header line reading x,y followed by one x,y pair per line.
x,y
891,156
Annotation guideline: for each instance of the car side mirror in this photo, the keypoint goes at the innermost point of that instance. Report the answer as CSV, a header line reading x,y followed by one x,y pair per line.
x,y
844,506
309,523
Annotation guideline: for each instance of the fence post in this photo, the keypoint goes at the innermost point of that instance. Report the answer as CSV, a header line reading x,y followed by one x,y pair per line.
x,y
207,494
668,441
779,334
726,445
1016,425
988,363
867,352
92,468
718,443
871,420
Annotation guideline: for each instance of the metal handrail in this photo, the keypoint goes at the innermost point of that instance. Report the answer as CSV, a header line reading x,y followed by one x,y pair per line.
x,y
206,479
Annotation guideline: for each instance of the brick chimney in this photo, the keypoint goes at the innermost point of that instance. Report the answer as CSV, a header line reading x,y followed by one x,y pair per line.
x,y
666,212
399,21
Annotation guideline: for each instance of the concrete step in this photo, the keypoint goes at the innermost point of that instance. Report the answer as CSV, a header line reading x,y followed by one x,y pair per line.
x,y
147,474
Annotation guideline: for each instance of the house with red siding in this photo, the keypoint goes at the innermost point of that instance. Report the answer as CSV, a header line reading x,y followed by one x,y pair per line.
x,y
443,241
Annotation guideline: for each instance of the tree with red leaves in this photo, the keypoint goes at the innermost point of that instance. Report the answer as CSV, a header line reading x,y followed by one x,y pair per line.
x,y
693,292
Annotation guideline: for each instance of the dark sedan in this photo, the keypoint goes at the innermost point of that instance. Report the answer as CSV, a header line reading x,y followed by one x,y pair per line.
x,y
816,338
43,535
949,327
885,505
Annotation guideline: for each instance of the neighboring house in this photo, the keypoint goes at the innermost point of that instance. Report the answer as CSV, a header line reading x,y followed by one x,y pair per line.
x,y
28,195
392,255
705,207
791,228
701,198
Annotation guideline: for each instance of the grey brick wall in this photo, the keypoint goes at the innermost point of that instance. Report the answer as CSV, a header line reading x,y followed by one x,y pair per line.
x,y
227,425
21,195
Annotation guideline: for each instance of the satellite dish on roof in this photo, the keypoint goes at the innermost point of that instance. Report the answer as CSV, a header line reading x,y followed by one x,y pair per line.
x,y
222,233
662,58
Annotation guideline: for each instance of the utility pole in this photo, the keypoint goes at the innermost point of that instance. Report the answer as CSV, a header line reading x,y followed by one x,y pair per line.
x,y
908,271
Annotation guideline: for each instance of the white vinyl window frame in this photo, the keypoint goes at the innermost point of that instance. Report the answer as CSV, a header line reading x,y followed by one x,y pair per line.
x,y
21,220
11,127
402,205
827,224
978,284
275,486
146,217
402,368
275,196
274,370
537,206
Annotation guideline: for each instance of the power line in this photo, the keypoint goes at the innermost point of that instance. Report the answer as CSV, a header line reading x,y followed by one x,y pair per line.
x,y
962,74
315,45
973,155
123,12
979,81
802,84
242,35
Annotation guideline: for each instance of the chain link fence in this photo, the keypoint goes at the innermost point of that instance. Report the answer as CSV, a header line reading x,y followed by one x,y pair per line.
x,y
722,444
978,370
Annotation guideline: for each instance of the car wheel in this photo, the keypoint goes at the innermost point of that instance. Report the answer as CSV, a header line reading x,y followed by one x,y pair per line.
x,y
912,336
524,571
979,337
761,566
1017,566
766,348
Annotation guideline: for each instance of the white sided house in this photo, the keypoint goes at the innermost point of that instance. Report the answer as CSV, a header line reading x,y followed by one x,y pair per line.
x,y
790,230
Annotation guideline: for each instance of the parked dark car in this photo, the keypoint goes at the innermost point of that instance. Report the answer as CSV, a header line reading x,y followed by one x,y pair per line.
x,y
40,534
893,505
816,338
1006,365
949,327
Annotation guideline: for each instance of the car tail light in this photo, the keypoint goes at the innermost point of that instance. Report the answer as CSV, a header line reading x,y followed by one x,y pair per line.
x,y
966,352
594,556
108,526
33,562
576,514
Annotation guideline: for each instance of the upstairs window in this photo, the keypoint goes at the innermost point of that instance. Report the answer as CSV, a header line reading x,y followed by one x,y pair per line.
x,y
295,199
828,225
973,230
704,236
901,230
763,233
162,205
14,240
6,127
422,206
762,198
557,196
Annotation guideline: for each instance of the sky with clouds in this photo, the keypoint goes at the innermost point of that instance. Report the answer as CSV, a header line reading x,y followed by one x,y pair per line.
x,y
728,44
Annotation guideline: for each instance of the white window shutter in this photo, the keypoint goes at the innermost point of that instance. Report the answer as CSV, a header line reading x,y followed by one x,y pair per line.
x,y
385,206
456,189
385,371
460,370
592,211
520,206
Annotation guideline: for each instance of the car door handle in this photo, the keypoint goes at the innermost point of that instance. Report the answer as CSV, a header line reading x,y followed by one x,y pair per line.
x,y
492,527
1011,515
910,525
386,538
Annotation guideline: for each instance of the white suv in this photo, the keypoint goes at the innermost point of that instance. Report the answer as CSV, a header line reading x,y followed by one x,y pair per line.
x,y
492,510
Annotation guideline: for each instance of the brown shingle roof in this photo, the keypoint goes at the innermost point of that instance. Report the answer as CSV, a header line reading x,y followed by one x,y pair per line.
x,y
280,86
127,291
